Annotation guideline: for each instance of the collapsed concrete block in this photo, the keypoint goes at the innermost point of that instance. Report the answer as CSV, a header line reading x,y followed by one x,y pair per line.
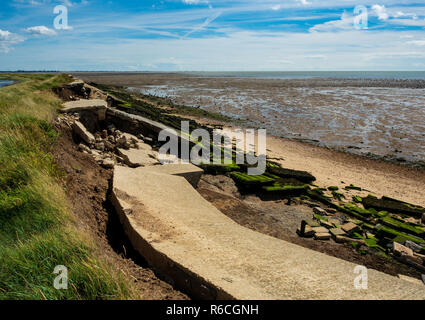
x,y
335,232
322,236
96,106
399,250
137,158
81,131
350,228
319,211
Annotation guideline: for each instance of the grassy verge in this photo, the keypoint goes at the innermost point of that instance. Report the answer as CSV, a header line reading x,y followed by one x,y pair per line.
x,y
37,231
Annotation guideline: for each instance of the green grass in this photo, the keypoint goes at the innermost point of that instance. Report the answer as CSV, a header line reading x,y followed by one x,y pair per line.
x,y
37,229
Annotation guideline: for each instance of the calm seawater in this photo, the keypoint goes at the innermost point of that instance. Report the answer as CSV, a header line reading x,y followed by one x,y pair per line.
x,y
5,83
404,75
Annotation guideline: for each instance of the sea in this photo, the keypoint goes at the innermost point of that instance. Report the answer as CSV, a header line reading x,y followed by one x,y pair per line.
x,y
384,118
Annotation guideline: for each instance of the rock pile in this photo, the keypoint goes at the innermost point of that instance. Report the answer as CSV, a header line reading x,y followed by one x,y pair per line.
x,y
367,237
111,146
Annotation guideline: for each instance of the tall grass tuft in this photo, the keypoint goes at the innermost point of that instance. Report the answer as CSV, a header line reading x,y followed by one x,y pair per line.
x,y
37,230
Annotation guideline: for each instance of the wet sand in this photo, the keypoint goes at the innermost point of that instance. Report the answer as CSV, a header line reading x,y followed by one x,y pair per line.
x,y
330,167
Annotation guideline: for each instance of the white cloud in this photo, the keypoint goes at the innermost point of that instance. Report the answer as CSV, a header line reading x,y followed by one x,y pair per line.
x,y
380,11
417,42
303,2
276,7
40,30
8,39
345,23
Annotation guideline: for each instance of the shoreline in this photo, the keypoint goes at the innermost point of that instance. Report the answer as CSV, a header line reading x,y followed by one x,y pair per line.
x,y
331,167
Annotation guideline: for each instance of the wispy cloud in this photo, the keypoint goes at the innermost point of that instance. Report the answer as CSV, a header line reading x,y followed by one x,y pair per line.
x,y
40,31
8,39
345,23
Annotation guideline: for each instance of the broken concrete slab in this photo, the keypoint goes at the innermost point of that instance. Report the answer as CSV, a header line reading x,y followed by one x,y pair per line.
x,y
95,105
335,232
137,158
319,211
190,172
81,131
186,239
350,227
399,250
322,236
320,230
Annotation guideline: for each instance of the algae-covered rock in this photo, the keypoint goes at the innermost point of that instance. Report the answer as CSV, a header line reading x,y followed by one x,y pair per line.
x,y
216,169
401,226
252,181
303,176
286,190
393,205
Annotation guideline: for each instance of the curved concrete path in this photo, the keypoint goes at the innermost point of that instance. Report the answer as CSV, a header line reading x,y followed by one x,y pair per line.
x,y
209,255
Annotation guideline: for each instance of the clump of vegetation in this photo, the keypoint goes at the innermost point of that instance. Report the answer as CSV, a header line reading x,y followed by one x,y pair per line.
x,y
37,230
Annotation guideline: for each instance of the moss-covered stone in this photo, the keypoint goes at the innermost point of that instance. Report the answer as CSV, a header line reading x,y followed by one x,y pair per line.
x,y
333,188
286,190
216,169
353,187
392,205
303,176
401,226
252,182
387,234
357,199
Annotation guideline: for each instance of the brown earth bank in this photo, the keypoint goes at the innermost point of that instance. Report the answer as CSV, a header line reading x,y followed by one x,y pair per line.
x,y
87,187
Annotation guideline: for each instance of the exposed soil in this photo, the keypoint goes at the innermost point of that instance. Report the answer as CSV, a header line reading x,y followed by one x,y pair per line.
x,y
280,220
87,187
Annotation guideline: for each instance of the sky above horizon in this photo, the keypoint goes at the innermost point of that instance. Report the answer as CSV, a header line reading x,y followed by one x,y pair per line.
x,y
212,35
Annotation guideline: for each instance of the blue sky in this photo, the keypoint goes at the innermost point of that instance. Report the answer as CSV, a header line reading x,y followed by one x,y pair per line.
x,y
212,35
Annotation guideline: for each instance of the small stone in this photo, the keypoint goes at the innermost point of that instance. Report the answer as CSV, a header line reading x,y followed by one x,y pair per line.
x,y
82,147
350,228
320,211
108,145
415,247
331,210
108,164
141,136
104,134
322,236
99,146
148,140
400,250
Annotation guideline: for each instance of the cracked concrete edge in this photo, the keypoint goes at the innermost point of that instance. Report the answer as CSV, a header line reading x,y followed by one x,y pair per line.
x,y
171,271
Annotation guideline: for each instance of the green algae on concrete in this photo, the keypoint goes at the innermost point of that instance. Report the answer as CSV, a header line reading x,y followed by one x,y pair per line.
x,y
393,205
